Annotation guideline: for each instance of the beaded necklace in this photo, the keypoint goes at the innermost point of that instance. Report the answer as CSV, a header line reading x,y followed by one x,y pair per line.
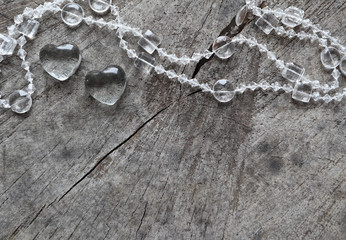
x,y
281,22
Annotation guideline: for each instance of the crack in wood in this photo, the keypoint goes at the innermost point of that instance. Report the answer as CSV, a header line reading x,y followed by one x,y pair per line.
x,y
227,31
112,151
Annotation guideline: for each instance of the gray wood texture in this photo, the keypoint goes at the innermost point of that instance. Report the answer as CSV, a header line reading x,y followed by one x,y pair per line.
x,y
170,162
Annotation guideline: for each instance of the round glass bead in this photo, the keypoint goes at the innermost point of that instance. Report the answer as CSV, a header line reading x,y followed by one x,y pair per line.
x,y
223,90
293,17
241,15
20,101
343,66
100,6
223,47
72,14
330,58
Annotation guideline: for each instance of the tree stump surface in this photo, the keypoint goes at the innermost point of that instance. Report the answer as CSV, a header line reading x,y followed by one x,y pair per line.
x,y
168,161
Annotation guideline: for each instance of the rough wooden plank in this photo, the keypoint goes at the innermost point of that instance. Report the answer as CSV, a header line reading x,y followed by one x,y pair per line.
x,y
169,162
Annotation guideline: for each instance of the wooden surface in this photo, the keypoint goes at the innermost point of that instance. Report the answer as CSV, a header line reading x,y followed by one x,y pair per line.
x,y
169,162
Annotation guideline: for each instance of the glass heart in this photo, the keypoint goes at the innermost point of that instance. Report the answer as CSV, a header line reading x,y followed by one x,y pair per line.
x,y
61,62
107,86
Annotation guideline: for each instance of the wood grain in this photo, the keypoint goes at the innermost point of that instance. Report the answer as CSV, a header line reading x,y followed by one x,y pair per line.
x,y
169,162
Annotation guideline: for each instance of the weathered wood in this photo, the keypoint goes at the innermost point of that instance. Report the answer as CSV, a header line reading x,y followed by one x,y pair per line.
x,y
169,162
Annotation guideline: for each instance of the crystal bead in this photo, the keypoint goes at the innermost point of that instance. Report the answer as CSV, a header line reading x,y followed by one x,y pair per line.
x,y
31,88
39,11
160,69
171,74
280,64
25,65
223,47
13,31
107,86
61,62
123,44
193,82
89,20
330,58
241,15
131,53
101,23
28,12
18,19
267,23
29,77
336,74
21,41
72,14
294,17
144,62
327,98
182,79
120,33
343,66
223,90
293,72
29,28
338,97
20,101
302,92
323,42
149,42
22,53
271,55
4,103
316,96
7,45
280,30
100,6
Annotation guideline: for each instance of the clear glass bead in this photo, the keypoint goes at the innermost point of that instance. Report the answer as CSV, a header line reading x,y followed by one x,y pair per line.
x,y
343,66
295,17
20,101
25,65
7,45
302,92
149,42
31,88
223,47
29,28
144,62
13,31
22,53
241,15
316,96
100,6
293,72
101,23
29,77
327,98
131,53
72,14
336,74
160,69
89,20
171,74
267,23
18,19
21,41
223,90
330,58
